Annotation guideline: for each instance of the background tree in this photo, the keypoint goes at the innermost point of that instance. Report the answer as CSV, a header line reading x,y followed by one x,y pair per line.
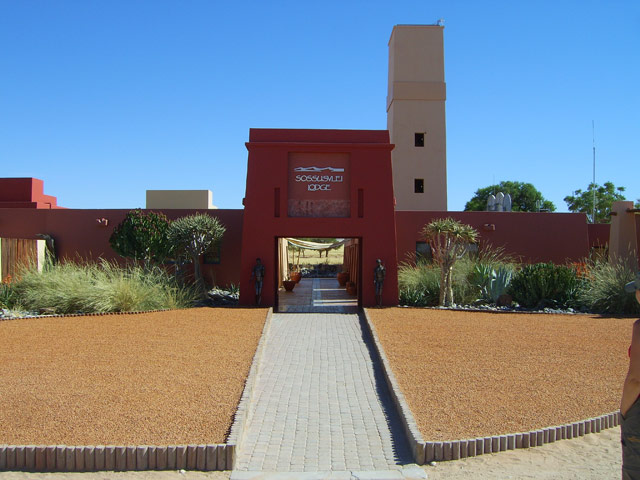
x,y
605,196
193,236
142,236
448,239
524,197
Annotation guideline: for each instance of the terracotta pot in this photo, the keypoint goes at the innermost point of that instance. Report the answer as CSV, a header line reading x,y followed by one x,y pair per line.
x,y
343,278
288,285
296,276
351,288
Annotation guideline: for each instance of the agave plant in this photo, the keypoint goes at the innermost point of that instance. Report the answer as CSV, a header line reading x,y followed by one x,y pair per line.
x,y
491,282
499,283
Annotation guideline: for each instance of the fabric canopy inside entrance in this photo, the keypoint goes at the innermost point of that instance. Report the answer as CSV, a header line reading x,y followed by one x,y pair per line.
x,y
283,249
315,245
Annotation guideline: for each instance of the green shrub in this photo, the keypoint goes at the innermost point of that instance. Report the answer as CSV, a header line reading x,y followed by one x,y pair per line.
x,y
416,298
98,288
603,289
545,285
142,236
233,288
7,295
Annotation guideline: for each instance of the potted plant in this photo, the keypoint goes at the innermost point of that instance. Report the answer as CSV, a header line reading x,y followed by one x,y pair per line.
x,y
352,289
288,284
294,272
343,278
295,275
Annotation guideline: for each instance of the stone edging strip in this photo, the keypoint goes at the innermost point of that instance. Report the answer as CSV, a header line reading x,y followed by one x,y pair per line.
x,y
63,458
97,314
426,452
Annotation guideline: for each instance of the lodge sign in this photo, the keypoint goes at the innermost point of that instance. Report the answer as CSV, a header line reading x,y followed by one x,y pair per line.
x,y
319,182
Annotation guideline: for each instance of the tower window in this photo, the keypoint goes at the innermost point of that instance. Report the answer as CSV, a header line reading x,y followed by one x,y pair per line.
x,y
419,138
418,185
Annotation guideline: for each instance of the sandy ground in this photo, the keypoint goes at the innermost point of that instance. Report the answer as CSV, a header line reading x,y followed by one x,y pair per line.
x,y
469,374
592,457
160,378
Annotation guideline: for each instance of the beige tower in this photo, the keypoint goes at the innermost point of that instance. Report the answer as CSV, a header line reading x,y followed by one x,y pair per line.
x,y
416,117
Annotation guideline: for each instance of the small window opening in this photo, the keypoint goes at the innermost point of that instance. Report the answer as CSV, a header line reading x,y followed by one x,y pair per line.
x,y
419,139
418,185
423,252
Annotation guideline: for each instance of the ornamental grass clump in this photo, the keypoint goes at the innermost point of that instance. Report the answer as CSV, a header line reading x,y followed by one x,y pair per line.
x,y
100,288
603,289
419,284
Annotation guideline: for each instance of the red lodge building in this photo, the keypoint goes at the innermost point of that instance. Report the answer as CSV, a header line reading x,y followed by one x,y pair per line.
x,y
375,188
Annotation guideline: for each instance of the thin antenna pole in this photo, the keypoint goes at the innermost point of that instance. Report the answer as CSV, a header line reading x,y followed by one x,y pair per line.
x,y
593,137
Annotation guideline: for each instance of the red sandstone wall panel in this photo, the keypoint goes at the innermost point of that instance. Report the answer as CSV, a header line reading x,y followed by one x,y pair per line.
x,y
535,237
25,193
598,234
83,234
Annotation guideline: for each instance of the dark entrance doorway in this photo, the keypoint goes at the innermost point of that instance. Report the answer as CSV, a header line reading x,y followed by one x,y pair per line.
x,y
320,275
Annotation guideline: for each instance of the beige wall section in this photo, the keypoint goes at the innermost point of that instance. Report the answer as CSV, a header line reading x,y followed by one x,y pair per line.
x,y
180,199
416,104
623,237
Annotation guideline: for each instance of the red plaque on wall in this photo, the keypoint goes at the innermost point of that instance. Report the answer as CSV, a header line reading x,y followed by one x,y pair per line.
x,y
319,185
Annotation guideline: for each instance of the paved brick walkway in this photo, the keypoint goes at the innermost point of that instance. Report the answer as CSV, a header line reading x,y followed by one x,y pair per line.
x,y
317,295
321,404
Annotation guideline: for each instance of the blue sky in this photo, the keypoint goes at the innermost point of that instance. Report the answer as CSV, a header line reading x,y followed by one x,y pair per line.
x,y
106,99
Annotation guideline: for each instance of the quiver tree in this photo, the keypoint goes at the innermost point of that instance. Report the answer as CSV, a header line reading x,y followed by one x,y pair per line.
x,y
193,236
448,240
142,236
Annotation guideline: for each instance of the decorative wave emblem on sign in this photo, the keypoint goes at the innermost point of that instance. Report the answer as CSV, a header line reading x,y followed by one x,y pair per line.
x,y
319,169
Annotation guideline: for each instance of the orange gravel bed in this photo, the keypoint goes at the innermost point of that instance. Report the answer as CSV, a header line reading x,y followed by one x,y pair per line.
x,y
472,374
159,378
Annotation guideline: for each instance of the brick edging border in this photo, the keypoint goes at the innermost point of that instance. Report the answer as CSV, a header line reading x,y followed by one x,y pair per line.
x,y
64,458
425,452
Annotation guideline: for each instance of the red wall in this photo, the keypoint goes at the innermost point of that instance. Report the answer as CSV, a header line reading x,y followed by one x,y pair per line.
x,y
78,233
370,172
536,237
25,193
598,234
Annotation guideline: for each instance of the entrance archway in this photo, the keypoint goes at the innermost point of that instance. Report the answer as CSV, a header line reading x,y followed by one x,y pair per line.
x,y
322,183
320,275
